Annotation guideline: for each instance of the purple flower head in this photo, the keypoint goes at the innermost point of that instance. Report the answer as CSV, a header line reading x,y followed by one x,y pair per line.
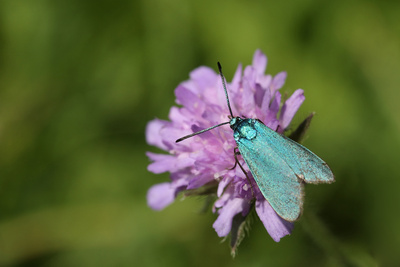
x,y
207,159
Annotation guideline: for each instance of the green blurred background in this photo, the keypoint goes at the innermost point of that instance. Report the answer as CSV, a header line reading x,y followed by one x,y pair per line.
x,y
79,80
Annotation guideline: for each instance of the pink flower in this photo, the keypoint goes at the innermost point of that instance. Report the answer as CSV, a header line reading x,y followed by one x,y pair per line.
x,y
207,159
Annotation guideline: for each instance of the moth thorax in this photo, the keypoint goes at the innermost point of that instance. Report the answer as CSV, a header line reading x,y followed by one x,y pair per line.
x,y
245,129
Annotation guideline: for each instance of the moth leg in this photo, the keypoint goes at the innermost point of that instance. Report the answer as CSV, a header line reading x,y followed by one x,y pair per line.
x,y
245,173
260,121
279,128
235,152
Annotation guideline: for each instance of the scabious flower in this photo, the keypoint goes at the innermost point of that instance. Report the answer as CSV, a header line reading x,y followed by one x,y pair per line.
x,y
206,160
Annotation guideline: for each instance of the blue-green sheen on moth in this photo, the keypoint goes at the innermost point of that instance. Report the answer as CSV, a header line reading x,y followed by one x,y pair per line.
x,y
279,165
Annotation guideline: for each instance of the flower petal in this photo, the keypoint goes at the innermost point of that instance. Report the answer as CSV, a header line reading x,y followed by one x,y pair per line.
x,y
276,102
237,78
200,180
273,109
153,130
162,162
259,95
160,195
275,225
223,224
259,62
187,98
264,81
247,98
266,100
222,184
278,81
204,77
290,107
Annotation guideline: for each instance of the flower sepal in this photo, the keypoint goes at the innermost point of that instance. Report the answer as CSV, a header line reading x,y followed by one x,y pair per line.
x,y
240,227
209,189
298,134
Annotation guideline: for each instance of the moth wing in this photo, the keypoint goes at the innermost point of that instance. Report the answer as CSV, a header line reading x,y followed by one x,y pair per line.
x,y
276,180
304,163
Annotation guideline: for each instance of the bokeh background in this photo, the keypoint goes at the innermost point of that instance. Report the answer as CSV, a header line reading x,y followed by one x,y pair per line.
x,y
79,80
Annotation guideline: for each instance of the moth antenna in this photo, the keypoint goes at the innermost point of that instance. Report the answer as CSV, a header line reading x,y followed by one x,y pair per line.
x,y
215,126
199,132
224,85
229,106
